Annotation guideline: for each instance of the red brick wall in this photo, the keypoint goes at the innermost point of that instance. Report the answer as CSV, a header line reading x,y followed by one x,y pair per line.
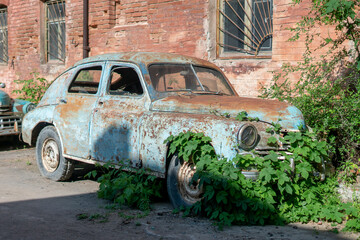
x,y
178,26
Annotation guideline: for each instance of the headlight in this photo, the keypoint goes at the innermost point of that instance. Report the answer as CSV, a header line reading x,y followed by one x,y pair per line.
x,y
30,107
247,136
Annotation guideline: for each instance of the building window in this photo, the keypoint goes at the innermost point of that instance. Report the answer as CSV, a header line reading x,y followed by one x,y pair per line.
x,y
244,28
3,36
55,30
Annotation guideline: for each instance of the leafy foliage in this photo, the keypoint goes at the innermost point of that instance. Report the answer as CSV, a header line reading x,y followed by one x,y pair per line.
x,y
327,91
125,188
32,89
281,193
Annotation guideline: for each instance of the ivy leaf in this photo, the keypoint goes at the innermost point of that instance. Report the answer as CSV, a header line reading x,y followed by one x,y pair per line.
x,y
221,197
272,141
266,174
288,189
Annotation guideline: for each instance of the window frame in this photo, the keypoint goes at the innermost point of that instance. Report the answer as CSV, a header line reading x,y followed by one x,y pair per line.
x,y
76,74
119,66
4,33
221,53
58,21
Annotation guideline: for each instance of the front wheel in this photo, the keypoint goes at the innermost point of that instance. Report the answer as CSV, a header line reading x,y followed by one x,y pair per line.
x,y
49,158
181,188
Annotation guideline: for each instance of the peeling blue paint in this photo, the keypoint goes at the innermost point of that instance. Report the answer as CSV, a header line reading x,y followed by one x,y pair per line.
x,y
131,127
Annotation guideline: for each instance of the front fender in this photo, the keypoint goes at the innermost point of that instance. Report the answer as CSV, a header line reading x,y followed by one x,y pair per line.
x,y
40,115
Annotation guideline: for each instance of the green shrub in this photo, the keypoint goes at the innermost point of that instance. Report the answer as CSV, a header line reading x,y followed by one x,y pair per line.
x,y
327,91
126,188
32,89
280,195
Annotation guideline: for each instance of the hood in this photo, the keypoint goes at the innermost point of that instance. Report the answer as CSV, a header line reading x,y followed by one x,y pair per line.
x,y
266,110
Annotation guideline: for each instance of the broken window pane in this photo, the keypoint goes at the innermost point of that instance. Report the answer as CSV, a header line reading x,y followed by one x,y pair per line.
x,y
125,81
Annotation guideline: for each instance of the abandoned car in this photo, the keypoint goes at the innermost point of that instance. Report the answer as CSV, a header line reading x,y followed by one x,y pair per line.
x,y
11,113
121,108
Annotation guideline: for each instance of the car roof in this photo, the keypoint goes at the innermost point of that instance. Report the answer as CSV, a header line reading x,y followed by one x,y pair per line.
x,y
146,58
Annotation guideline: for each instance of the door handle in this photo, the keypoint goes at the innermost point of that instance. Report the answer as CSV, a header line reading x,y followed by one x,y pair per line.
x,y
63,101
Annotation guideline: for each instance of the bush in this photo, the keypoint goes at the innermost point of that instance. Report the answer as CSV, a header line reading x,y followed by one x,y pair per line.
x,y
328,90
280,195
125,188
32,89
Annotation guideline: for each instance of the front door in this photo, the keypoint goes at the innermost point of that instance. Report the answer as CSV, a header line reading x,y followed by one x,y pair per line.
x,y
118,115
73,115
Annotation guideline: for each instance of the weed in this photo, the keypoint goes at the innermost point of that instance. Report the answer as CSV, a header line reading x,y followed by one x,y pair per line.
x,y
82,216
125,188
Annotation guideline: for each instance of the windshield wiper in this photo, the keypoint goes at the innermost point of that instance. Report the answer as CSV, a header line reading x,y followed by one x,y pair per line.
x,y
212,92
183,90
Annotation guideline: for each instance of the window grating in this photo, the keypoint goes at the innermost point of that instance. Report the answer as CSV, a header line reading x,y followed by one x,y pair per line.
x,y
55,24
3,36
245,27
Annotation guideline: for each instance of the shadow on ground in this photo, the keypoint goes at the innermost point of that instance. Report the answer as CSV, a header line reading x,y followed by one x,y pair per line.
x,y
84,216
11,143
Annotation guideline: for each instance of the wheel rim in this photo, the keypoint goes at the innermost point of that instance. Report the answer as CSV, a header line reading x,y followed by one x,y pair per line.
x,y
190,190
50,155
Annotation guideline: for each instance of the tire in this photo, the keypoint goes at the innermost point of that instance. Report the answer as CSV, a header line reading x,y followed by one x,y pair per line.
x,y
180,187
49,158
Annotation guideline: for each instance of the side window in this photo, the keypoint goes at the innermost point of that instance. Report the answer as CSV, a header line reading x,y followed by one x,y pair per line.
x,y
125,81
86,81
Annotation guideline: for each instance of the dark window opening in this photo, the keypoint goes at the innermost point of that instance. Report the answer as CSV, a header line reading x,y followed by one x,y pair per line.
x,y
125,81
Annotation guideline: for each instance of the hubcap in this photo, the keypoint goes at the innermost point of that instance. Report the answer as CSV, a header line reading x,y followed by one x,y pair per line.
x,y
190,190
50,155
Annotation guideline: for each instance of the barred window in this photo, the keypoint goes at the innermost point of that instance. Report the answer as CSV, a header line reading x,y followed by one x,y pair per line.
x,y
244,28
3,35
55,30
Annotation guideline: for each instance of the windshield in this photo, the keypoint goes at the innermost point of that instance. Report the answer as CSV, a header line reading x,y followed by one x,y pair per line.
x,y
189,78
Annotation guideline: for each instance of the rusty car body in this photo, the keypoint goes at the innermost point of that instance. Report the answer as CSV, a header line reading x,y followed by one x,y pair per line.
x,y
121,107
11,113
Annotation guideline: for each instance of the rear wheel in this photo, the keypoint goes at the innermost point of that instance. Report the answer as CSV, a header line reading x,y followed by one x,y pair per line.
x,y
181,188
49,158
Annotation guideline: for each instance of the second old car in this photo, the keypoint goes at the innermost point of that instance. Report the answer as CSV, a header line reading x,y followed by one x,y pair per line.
x,y
121,108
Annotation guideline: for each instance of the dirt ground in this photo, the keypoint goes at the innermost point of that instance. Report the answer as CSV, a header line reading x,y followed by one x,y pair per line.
x,y
32,207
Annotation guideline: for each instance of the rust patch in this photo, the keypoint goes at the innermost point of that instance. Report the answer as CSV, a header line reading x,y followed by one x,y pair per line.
x,y
271,107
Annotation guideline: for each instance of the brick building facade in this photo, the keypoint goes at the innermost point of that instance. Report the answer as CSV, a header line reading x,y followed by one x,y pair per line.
x,y
188,27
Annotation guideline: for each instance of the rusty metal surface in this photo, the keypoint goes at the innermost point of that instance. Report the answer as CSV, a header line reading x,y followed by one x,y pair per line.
x,y
37,116
132,128
10,124
266,110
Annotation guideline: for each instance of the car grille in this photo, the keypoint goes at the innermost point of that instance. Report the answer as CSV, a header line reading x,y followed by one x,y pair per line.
x,y
263,151
4,108
8,123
